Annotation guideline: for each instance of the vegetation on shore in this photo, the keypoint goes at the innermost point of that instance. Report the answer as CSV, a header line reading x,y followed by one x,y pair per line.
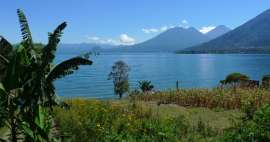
x,y
92,120
226,98
141,117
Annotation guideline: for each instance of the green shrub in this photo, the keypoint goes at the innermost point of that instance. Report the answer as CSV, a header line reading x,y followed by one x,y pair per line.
x,y
145,85
236,77
266,81
255,130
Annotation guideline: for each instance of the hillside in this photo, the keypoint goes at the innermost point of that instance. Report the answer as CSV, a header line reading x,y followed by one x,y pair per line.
x,y
218,31
251,37
170,40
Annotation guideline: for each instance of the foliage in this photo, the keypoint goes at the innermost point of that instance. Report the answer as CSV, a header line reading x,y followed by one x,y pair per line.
x,y
227,98
119,74
266,81
255,130
234,78
103,121
145,85
26,90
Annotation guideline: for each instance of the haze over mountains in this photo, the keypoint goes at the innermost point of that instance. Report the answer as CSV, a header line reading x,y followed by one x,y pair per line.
x,y
169,41
251,37
83,47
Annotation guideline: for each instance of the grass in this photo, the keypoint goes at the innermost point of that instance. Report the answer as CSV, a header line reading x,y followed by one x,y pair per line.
x,y
216,118
92,120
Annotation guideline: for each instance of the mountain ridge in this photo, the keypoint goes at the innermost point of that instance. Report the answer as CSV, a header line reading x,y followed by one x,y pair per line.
x,y
218,31
169,41
252,36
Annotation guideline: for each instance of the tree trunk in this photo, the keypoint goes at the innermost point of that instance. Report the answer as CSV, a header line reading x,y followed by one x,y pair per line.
x,y
120,95
13,131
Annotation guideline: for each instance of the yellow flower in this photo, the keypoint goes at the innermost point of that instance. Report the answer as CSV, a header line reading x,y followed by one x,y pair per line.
x,y
98,125
129,117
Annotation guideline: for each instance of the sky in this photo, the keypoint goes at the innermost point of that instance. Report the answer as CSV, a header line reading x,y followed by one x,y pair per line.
x,y
122,21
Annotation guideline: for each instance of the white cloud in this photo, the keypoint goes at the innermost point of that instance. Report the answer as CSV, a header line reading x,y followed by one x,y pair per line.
x,y
112,41
126,40
164,28
98,40
123,39
171,26
155,30
94,38
109,41
149,31
206,29
184,24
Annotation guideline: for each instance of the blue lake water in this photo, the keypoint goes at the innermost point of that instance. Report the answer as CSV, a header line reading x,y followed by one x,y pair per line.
x,y
163,69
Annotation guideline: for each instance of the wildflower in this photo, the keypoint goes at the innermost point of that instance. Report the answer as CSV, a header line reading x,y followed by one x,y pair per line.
x,y
129,117
98,125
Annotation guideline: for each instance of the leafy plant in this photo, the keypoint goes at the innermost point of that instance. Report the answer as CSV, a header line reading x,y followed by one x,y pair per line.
x,y
254,130
27,91
145,85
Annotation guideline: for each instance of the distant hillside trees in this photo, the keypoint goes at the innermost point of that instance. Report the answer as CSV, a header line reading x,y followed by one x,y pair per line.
x,y
119,75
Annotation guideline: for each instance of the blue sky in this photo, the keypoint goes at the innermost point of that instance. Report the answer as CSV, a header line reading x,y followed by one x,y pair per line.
x,y
122,21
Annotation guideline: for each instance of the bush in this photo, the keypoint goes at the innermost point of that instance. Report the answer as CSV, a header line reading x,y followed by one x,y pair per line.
x,y
145,85
234,78
255,130
266,81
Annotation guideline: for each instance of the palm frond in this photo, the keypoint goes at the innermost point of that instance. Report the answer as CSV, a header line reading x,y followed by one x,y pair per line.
x,y
67,67
3,59
48,52
26,34
5,47
5,55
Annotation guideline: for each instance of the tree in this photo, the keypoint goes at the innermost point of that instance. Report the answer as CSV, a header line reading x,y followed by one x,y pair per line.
x,y
234,78
27,92
266,81
145,85
119,75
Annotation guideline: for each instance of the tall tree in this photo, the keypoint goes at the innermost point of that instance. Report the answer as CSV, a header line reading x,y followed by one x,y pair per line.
x,y
119,75
27,93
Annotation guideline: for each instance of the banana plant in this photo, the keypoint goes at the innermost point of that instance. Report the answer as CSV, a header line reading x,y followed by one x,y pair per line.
x,y
27,92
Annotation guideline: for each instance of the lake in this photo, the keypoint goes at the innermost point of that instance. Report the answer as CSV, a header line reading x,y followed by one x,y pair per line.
x,y
163,69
